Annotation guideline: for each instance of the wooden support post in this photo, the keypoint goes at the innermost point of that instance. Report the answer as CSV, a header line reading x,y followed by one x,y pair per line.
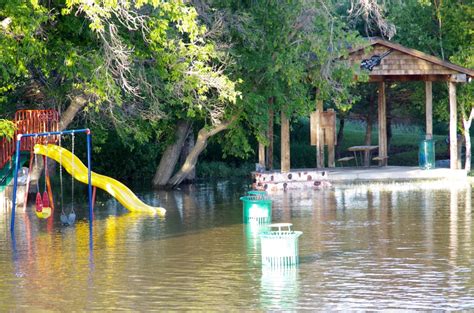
x,y
319,139
285,143
429,109
453,142
313,127
270,136
261,154
319,136
382,116
330,140
331,148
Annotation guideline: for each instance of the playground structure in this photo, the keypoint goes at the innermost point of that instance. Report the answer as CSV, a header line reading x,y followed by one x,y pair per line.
x,y
37,134
26,122
79,171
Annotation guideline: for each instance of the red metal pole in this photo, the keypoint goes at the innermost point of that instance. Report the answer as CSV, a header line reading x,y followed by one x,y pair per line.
x,y
30,167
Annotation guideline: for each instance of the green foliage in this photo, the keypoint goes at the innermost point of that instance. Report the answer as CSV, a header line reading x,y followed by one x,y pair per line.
x,y
140,62
443,29
216,169
284,51
7,128
239,146
21,19
118,158
45,55
146,64
465,92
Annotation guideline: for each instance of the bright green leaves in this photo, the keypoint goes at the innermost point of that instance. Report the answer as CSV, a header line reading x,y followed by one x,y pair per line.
x,y
97,11
21,39
7,129
43,49
440,28
294,47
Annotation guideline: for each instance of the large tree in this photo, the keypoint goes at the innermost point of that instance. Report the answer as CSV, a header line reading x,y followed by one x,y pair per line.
x,y
444,29
159,68
143,61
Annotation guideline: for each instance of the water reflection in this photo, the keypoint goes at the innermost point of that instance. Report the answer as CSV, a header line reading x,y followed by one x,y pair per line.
x,y
359,245
468,222
280,288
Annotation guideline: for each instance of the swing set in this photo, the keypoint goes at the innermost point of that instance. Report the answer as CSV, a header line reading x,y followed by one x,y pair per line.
x,y
44,202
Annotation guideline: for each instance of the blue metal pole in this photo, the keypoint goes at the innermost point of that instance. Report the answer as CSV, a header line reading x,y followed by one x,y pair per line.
x,y
15,183
64,132
89,176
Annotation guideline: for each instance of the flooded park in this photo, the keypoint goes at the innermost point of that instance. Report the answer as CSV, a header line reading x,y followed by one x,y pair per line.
x,y
249,156
364,246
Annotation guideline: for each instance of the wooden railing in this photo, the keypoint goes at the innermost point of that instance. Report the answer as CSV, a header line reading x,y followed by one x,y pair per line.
x,y
29,122
7,149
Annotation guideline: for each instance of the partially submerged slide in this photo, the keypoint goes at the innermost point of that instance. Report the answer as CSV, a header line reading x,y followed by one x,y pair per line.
x,y
79,171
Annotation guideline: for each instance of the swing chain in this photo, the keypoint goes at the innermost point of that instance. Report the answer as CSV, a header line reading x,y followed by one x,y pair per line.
x,y
61,174
45,165
36,166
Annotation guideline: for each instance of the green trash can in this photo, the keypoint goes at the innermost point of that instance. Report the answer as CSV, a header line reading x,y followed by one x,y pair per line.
x,y
258,193
426,155
257,209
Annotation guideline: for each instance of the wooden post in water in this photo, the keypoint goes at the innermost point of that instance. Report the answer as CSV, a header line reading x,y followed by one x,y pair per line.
x,y
453,142
285,143
382,125
429,109
330,140
319,136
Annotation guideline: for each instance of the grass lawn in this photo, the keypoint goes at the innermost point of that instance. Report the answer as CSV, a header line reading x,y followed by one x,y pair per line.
x,y
403,146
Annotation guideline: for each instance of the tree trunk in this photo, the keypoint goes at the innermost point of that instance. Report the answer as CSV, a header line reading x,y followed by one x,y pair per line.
x,y
171,155
201,143
467,138
187,148
340,136
77,104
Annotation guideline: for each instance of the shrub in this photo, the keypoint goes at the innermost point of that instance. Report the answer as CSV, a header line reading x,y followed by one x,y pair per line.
x,y
218,169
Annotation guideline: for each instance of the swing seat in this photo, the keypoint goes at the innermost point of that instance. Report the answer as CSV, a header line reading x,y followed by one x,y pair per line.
x,y
44,213
39,202
69,219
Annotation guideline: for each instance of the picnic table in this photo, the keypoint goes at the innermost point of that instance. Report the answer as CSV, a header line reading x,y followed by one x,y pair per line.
x,y
365,153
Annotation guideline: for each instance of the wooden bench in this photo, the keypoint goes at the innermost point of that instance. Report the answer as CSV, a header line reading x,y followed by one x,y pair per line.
x,y
345,159
380,158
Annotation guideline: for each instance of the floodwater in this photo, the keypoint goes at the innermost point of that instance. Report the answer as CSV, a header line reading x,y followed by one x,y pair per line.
x,y
364,247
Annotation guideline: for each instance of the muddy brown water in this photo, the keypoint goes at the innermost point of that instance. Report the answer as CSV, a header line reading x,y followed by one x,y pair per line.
x,y
364,247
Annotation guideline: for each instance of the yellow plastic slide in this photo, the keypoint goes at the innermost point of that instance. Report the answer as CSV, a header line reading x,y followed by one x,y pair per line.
x,y
79,171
